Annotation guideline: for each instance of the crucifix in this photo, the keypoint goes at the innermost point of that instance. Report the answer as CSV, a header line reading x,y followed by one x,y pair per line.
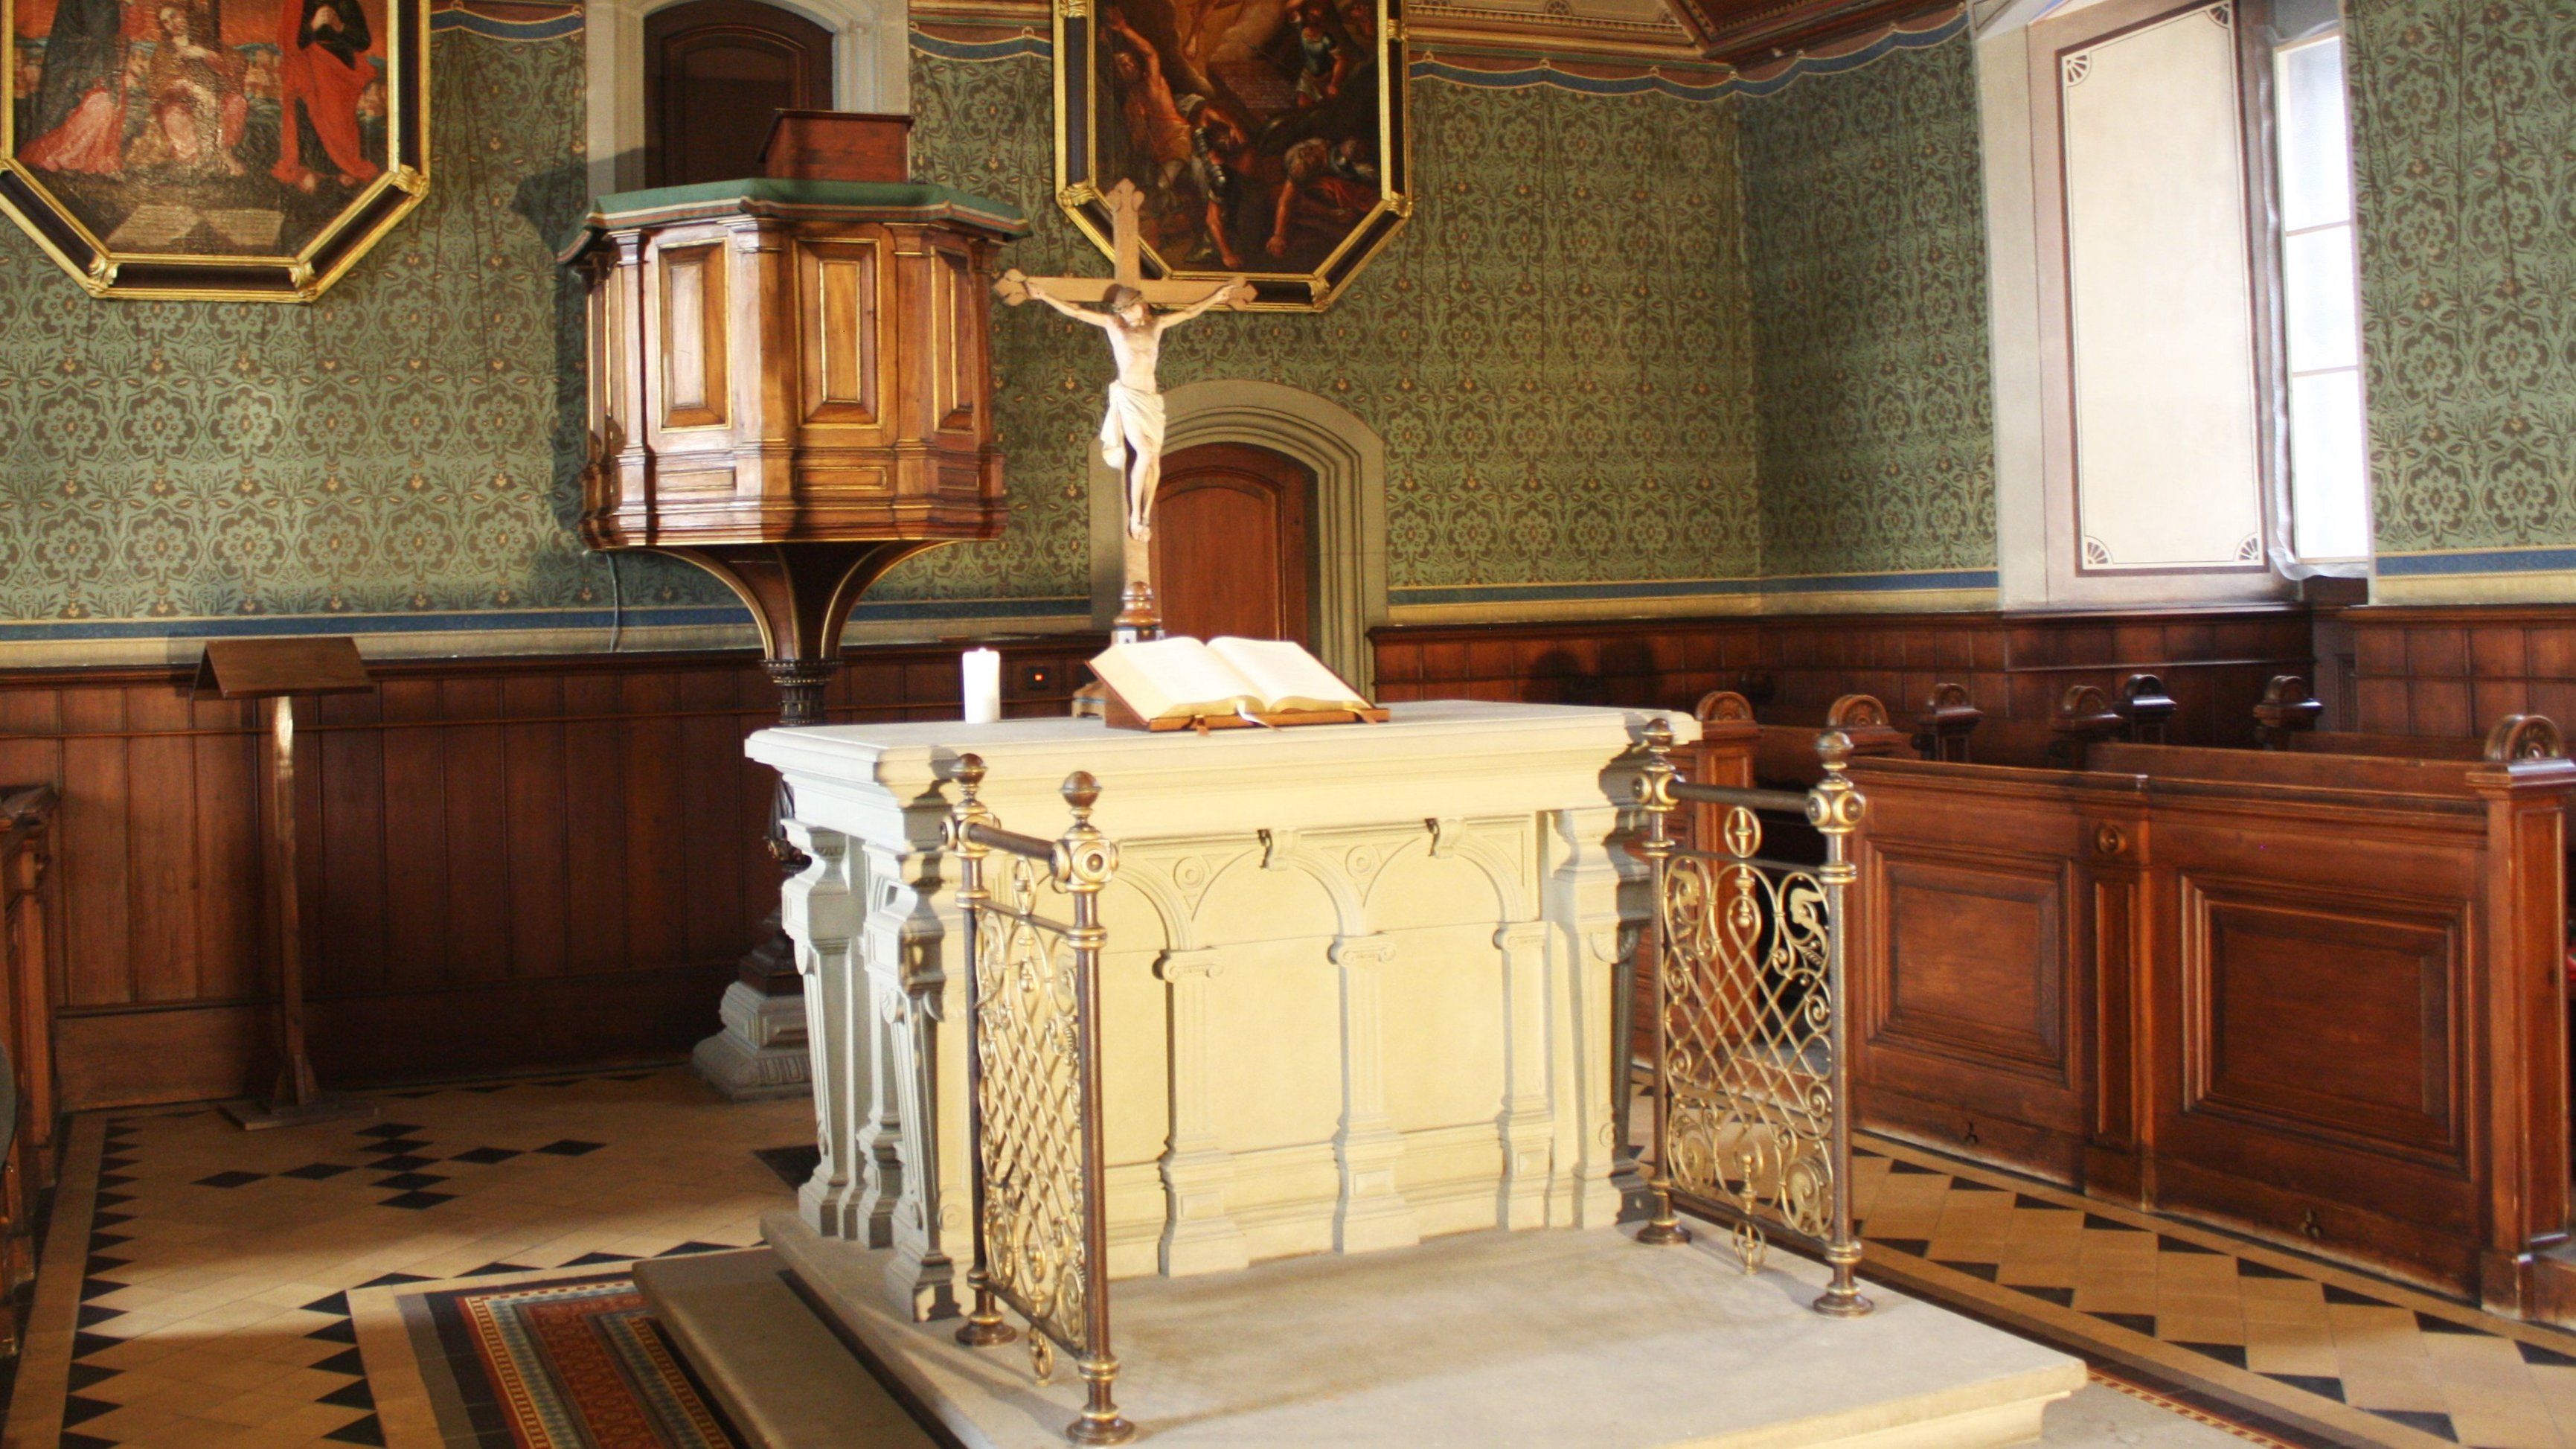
x,y
1131,431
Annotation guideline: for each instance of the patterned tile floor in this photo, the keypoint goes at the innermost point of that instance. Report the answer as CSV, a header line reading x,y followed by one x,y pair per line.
x,y
2330,1355
211,1310
197,1281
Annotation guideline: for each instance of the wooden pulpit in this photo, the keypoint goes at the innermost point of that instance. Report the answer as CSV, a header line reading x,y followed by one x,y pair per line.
x,y
790,380
274,672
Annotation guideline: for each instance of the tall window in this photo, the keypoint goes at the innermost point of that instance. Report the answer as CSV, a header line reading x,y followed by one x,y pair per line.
x,y
2200,392
2329,491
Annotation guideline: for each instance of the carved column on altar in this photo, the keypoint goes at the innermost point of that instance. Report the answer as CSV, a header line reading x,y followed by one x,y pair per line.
x,y
1372,1213
1584,881
790,387
1201,1236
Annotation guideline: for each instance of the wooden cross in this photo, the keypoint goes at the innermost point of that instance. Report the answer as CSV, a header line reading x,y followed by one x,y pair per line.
x,y
1126,211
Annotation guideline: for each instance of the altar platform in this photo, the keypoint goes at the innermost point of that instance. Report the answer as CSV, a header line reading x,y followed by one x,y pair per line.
x,y
1495,1340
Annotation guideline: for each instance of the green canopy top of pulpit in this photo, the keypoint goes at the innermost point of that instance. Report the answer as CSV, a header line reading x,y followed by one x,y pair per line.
x,y
797,199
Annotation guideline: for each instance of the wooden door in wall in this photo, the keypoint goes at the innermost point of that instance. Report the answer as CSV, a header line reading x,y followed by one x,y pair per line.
x,y
1230,543
714,73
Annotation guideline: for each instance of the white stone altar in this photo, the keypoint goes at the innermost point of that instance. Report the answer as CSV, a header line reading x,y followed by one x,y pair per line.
x,y
1358,988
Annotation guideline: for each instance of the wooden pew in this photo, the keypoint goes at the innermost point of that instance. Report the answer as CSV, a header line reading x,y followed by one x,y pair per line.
x,y
2313,994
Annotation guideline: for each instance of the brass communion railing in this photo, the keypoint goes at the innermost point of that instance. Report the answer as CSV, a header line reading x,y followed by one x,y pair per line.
x,y
1041,1216
1752,1083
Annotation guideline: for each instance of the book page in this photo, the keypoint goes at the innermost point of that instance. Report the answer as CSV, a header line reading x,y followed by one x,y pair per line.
x,y
1174,679
1285,675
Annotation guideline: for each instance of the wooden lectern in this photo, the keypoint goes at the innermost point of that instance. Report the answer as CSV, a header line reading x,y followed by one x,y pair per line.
x,y
275,671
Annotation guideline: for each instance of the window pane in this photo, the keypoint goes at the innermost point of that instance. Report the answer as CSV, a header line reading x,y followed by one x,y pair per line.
x,y
2317,287
2316,163
2329,480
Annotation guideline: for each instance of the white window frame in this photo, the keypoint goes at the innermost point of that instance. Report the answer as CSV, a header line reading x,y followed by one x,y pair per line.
x,y
2037,543
2286,555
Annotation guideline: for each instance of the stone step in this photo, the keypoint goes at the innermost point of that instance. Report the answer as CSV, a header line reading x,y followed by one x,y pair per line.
x,y
783,1377
1491,1340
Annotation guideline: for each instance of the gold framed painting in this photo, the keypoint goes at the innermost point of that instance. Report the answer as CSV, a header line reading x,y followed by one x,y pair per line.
x,y
1269,140
238,150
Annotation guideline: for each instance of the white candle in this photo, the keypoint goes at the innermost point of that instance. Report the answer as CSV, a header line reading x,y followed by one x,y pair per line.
x,y
982,669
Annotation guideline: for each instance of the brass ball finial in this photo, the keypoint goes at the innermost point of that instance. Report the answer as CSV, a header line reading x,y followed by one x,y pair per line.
x,y
969,772
1081,790
1659,734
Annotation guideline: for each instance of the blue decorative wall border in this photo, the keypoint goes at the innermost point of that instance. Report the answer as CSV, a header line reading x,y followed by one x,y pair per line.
x,y
1010,48
2479,561
1544,74
1877,50
1659,589
227,626
493,28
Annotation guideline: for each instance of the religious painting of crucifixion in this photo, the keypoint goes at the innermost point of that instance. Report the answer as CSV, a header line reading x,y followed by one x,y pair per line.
x,y
213,149
1267,137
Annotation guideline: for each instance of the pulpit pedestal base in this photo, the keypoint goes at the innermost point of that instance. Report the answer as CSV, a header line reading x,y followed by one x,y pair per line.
x,y
328,1107
760,1055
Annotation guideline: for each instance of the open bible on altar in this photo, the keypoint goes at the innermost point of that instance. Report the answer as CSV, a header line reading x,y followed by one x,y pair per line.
x,y
1227,683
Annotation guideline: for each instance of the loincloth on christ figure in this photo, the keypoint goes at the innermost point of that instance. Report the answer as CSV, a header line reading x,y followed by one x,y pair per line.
x,y
1134,420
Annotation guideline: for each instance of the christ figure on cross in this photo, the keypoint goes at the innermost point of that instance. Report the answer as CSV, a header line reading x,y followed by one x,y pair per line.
x,y
1131,431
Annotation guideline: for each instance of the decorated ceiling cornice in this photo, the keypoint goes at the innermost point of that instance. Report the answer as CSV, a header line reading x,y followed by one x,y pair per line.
x,y
1701,39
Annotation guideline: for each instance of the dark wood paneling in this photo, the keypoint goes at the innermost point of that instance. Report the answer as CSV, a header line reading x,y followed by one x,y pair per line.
x,y
2016,666
1970,993
532,862
2395,670
2321,996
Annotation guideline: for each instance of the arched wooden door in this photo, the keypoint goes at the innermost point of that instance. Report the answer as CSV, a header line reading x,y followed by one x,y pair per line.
x,y
1230,543
714,72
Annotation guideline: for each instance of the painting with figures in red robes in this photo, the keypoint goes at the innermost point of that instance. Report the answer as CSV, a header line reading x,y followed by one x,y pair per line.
x,y
1266,135
213,147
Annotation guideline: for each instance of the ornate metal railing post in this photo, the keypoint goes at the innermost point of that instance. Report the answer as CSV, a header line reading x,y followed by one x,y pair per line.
x,y
984,1326
1752,1080
1041,1166
1655,792
1834,807
1083,862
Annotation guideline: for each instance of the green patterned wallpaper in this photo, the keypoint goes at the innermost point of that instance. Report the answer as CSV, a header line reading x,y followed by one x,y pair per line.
x,y
1864,217
1557,353
1556,350
398,446
2465,118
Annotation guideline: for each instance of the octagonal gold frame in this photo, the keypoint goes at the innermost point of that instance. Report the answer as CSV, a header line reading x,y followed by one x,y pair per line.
x,y
299,276
1079,184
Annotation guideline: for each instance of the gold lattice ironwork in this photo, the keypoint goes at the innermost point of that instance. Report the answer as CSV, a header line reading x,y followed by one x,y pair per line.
x,y
1041,1216
1752,1099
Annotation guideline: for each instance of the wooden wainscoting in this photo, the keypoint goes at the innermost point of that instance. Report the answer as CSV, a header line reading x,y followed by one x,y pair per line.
x,y
1974,1005
2214,663
512,862
2426,671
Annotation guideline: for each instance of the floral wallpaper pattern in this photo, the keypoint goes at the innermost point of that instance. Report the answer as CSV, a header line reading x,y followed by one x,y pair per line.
x,y
2465,126
1556,350
1864,215
1561,401
404,444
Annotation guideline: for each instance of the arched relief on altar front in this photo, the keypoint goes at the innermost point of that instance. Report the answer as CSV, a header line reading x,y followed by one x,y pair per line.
x,y
1423,879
